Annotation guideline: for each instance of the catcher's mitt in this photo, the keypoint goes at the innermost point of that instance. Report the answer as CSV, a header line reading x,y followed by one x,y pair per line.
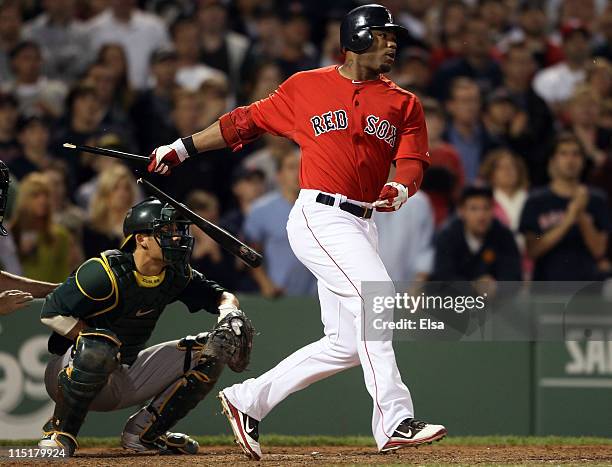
x,y
230,341
242,332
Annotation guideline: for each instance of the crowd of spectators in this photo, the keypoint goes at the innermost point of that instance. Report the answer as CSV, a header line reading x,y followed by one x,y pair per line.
x,y
517,97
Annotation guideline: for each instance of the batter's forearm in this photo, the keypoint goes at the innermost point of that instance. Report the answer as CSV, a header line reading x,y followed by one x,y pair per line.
x,y
38,289
208,139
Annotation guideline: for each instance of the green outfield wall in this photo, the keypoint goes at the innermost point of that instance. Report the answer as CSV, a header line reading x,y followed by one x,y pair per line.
x,y
518,388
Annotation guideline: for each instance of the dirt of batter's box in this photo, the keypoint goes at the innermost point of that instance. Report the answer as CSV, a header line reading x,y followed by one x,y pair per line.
x,y
328,455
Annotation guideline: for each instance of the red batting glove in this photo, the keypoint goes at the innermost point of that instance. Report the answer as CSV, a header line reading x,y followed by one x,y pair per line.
x,y
392,197
165,158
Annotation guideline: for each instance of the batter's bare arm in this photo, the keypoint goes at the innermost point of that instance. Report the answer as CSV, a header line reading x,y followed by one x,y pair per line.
x,y
35,288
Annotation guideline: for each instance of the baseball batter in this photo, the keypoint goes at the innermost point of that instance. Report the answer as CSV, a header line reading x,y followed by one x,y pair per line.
x,y
102,317
351,123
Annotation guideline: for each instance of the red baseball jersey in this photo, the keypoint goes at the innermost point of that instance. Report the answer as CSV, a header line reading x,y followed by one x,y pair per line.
x,y
349,132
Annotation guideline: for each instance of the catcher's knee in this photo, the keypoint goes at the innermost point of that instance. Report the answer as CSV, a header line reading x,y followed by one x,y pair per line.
x,y
95,355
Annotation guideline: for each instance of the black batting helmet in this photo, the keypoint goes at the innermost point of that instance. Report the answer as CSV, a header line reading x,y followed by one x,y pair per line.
x,y
151,216
357,25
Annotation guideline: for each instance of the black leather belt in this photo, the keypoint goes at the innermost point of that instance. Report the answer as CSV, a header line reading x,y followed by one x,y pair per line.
x,y
354,209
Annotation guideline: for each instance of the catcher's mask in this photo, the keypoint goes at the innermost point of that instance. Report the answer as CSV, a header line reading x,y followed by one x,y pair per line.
x,y
4,186
171,232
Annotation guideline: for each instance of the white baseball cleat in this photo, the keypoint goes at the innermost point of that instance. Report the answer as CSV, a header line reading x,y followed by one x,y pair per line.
x,y
245,428
412,432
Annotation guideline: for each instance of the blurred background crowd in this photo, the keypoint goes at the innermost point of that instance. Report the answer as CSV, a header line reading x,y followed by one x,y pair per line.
x,y
517,96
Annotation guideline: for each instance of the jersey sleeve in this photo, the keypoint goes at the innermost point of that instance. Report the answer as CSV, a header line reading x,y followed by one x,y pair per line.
x,y
201,293
413,142
275,113
91,290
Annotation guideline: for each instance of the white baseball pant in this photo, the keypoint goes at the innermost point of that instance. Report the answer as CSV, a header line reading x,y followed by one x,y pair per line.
x,y
340,249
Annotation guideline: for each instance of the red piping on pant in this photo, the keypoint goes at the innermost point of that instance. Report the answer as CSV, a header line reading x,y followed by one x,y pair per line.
x,y
382,418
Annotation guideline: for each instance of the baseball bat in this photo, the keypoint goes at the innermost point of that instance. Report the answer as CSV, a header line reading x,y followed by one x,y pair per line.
x,y
221,236
107,152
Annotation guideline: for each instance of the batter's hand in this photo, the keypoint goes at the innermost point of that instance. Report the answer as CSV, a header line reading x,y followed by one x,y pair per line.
x,y
11,300
165,158
392,197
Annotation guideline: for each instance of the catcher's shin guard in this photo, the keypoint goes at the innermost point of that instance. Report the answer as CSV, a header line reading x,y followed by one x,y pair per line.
x,y
148,428
95,357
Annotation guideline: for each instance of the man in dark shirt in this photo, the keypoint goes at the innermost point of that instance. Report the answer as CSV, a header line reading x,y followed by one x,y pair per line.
x,y
566,224
475,246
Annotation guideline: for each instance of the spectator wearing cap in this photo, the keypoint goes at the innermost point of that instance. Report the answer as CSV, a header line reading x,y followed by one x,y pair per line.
x,y
9,146
532,126
10,35
532,31
464,130
140,33
33,136
151,113
556,83
476,247
220,48
566,223
36,94
190,72
264,228
63,39
476,62
443,158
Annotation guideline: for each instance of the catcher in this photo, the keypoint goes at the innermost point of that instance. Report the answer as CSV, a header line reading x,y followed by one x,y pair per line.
x,y
102,317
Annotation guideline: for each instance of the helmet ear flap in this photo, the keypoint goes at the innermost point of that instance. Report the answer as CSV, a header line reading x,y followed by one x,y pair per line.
x,y
361,40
